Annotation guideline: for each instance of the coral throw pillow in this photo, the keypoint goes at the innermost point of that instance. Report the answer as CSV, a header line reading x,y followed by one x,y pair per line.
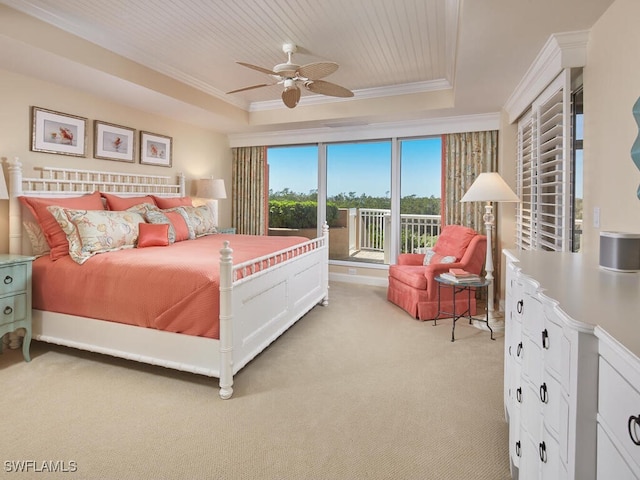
x,y
153,235
56,238
172,202
117,203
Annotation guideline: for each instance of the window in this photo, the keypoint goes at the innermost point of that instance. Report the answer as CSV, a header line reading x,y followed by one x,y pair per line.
x,y
351,186
577,123
545,171
293,189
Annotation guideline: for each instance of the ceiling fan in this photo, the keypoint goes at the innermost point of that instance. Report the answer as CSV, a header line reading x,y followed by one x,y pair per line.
x,y
291,75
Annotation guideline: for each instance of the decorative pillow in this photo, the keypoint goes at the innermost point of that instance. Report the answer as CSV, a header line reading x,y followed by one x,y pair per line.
x,y
97,231
432,257
39,245
157,217
56,238
201,220
116,203
172,202
180,223
153,235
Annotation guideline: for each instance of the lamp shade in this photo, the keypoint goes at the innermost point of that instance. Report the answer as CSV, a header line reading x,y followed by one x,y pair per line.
x,y
489,187
211,188
4,194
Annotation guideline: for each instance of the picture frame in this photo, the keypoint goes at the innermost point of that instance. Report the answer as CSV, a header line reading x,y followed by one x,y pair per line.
x,y
113,142
155,149
56,132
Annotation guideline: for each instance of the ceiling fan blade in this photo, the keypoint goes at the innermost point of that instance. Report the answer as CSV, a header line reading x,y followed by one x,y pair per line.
x,y
314,71
327,88
291,96
255,67
251,88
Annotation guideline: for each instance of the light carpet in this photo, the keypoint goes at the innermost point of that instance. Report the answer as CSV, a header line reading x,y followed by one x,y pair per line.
x,y
354,390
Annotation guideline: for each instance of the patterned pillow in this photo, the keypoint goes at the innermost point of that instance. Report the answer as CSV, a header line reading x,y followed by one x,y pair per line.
x,y
201,220
180,220
157,217
39,245
432,257
97,231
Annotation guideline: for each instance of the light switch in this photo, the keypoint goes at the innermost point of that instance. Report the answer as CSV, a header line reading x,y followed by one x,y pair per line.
x,y
596,217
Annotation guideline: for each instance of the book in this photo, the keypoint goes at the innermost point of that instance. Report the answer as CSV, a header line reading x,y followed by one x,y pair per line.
x,y
460,273
470,278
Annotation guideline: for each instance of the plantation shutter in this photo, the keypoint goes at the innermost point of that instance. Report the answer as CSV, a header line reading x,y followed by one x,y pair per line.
x,y
544,170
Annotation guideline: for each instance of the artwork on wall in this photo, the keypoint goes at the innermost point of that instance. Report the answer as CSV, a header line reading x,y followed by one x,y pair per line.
x,y
113,142
55,132
155,149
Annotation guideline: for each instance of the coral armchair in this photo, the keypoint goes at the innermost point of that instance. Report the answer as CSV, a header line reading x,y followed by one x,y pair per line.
x,y
412,284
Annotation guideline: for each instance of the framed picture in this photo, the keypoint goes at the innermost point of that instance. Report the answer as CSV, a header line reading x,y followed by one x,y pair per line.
x,y
113,142
55,132
155,149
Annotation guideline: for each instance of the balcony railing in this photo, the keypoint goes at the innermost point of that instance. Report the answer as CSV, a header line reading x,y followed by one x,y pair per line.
x,y
416,231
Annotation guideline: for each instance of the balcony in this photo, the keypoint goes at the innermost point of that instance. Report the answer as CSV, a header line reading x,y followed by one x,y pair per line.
x,y
364,234
370,234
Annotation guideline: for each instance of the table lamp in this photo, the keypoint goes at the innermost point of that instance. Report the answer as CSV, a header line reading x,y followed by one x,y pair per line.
x,y
211,189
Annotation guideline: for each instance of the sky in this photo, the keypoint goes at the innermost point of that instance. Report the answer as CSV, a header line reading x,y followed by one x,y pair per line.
x,y
361,168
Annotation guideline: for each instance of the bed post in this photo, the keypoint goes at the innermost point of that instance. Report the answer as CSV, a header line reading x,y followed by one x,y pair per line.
x,y
226,318
15,214
181,182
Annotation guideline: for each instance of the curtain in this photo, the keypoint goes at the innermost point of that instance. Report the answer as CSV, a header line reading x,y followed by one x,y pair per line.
x,y
249,183
466,155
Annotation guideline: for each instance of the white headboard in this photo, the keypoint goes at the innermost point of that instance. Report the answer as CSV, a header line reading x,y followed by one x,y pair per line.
x,y
66,182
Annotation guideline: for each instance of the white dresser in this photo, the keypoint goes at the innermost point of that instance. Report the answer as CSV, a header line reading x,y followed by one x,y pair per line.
x,y
572,342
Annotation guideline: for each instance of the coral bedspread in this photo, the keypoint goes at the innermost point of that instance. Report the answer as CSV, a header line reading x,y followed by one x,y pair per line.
x,y
172,288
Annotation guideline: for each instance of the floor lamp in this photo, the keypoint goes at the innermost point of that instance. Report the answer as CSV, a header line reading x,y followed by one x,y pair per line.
x,y
489,187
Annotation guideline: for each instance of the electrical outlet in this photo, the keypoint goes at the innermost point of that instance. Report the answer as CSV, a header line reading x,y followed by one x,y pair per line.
x,y
596,217
353,271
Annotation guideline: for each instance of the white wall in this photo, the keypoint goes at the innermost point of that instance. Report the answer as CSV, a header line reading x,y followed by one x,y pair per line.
x,y
196,152
612,86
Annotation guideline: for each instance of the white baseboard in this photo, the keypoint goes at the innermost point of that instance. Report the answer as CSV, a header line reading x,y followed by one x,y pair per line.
x,y
359,279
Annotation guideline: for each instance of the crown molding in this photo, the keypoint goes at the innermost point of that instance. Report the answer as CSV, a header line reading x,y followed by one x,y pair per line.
x,y
562,50
362,131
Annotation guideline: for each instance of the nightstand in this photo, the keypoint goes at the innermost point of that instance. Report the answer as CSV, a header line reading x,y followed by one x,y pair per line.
x,y
231,230
15,298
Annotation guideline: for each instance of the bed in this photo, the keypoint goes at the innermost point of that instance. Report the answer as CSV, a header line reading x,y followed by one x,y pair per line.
x,y
254,300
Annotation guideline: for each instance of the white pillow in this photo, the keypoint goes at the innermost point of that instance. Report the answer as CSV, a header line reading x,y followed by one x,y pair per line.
x,y
431,258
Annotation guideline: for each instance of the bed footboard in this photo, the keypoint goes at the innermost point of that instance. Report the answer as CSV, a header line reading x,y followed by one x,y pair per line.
x,y
258,306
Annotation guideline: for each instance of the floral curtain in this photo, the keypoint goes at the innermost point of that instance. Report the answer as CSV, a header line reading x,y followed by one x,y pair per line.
x,y
465,156
249,199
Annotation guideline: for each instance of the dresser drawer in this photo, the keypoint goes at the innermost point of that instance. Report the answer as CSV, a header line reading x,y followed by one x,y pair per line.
x,y
13,309
610,463
13,279
618,407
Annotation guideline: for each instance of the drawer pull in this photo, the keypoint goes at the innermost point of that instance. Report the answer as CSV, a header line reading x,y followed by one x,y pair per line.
x,y
8,280
542,450
545,339
544,397
519,349
633,423
518,448
8,310
519,306
519,394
